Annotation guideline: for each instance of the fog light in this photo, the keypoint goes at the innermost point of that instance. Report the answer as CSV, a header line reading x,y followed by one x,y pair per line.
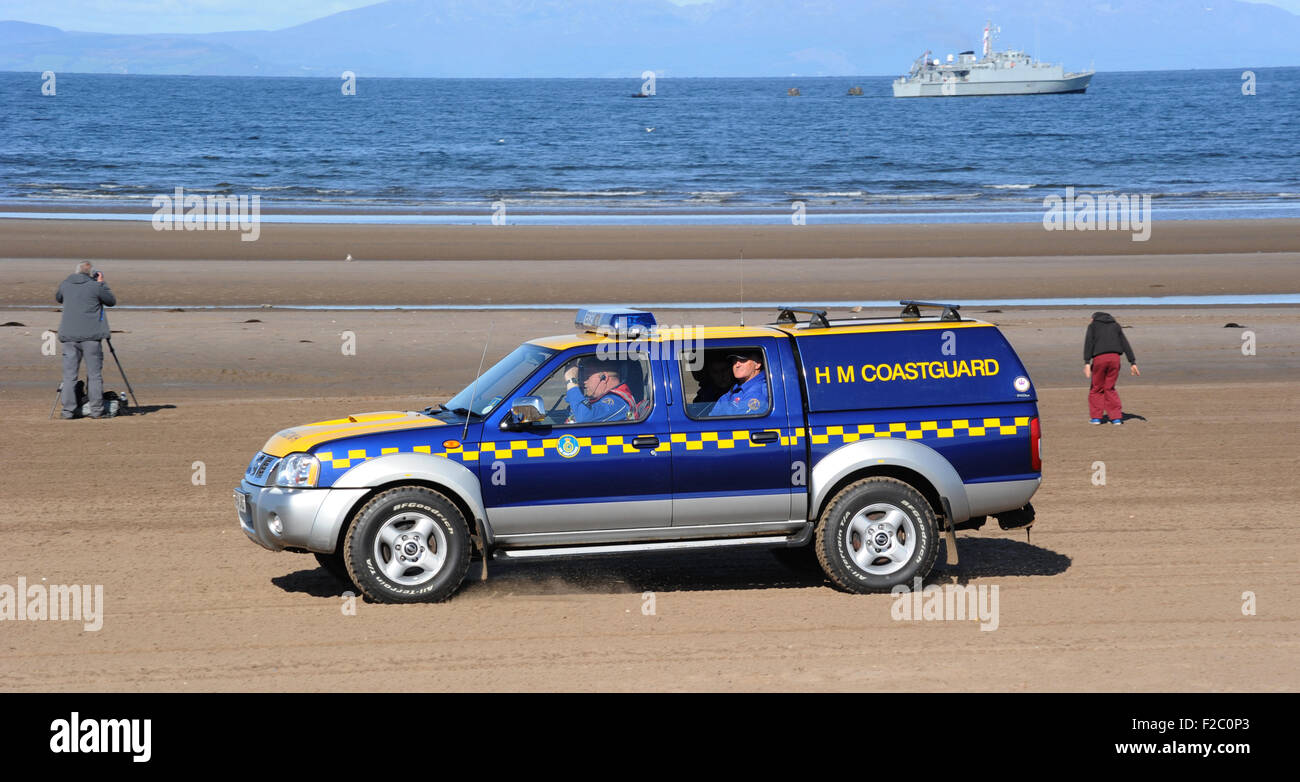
x,y
276,526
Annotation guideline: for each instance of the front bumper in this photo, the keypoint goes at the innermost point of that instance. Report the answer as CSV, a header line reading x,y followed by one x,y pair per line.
x,y
308,518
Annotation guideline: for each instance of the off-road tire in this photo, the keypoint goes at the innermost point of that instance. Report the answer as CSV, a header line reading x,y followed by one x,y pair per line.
x,y
334,565
836,534
401,511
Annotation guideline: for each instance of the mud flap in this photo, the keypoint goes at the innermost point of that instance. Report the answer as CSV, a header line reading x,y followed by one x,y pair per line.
x,y
949,532
480,540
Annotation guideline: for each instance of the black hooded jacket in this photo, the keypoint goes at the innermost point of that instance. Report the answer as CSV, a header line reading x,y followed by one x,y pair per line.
x,y
1105,336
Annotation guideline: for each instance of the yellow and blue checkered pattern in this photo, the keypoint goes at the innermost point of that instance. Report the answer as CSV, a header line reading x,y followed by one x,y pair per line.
x,y
701,441
921,430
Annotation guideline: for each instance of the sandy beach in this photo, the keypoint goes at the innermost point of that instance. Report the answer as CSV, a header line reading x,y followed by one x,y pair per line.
x,y
1134,585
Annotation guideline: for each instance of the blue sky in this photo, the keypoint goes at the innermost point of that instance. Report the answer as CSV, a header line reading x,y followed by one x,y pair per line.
x,y
184,16
206,16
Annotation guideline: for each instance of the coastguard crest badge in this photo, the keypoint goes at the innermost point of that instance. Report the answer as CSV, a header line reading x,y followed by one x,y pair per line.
x,y
568,446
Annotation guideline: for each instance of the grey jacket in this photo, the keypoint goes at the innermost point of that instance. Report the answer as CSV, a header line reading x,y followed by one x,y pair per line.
x,y
83,302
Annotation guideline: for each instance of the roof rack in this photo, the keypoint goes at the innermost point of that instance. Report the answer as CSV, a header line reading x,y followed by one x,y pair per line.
x,y
912,309
817,320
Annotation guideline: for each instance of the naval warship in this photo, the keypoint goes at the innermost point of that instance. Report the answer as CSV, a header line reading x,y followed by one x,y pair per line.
x,y
1010,72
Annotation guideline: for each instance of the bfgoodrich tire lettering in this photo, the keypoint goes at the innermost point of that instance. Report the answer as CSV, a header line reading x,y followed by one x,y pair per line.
x,y
407,545
875,534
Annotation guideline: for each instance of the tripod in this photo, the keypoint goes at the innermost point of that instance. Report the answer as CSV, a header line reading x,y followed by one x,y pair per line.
x,y
58,392
122,372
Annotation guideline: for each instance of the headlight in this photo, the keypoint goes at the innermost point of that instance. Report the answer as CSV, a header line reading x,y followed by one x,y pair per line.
x,y
298,470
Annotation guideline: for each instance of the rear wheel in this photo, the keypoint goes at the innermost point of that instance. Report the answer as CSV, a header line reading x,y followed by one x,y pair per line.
x,y
876,534
408,545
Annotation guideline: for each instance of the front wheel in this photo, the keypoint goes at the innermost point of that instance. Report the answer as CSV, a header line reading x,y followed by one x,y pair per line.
x,y
876,534
408,545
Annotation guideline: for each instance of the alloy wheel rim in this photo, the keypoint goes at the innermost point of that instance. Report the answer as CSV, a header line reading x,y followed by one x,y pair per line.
x,y
881,539
410,548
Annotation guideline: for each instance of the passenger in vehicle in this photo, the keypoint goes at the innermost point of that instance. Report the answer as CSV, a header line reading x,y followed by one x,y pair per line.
x,y
748,393
715,380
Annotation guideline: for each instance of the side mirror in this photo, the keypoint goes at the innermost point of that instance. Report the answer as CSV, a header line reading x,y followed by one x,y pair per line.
x,y
524,410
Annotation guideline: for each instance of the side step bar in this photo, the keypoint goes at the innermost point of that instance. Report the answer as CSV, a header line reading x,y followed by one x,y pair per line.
x,y
794,539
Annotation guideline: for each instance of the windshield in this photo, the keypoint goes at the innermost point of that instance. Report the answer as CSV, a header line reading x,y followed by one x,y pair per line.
x,y
504,377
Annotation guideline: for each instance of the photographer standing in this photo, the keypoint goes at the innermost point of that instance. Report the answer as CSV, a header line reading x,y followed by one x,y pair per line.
x,y
83,298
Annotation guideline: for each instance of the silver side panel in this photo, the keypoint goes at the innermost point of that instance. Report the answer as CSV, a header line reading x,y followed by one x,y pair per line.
x,y
652,534
989,498
455,476
799,505
631,548
732,509
579,516
889,451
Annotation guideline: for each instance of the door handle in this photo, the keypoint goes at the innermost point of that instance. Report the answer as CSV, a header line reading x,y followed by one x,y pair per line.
x,y
645,441
765,436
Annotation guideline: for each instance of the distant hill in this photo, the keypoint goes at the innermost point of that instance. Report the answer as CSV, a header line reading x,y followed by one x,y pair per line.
x,y
548,38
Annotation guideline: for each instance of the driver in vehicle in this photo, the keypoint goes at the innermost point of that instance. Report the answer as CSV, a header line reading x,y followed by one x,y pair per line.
x,y
602,395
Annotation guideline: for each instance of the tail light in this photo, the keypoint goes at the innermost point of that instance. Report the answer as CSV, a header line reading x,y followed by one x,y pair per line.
x,y
1035,445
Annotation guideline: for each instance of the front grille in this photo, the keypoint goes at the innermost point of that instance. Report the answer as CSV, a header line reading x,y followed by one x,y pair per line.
x,y
260,467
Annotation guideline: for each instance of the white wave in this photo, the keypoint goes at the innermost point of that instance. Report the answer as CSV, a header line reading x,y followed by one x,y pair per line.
x,y
829,194
586,193
925,197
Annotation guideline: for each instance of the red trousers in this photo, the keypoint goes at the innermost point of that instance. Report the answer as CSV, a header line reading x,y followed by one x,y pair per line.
x,y
1102,397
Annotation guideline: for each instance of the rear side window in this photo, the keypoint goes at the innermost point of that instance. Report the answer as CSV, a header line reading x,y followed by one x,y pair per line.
x,y
730,382
948,365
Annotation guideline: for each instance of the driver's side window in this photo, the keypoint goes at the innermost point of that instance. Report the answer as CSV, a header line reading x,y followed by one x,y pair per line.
x,y
601,391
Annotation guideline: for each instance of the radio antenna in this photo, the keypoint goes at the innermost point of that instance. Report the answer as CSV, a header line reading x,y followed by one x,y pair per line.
x,y
742,287
473,389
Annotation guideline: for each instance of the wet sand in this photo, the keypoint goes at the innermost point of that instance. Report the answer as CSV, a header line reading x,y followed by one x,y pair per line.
x,y
23,238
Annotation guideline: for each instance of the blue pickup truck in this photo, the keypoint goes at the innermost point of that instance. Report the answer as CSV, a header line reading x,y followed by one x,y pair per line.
x,y
856,442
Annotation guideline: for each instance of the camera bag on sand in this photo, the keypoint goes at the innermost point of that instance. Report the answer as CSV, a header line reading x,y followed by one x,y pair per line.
x,y
114,402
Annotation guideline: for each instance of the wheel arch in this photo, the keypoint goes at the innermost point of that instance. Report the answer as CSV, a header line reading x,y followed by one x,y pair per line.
x,y
452,479
461,504
918,465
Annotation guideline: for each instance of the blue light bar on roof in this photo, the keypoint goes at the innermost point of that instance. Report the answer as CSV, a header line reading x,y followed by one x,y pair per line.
x,y
615,320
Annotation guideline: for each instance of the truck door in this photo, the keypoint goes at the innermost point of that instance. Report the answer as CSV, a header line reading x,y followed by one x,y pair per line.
x,y
566,474
730,433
